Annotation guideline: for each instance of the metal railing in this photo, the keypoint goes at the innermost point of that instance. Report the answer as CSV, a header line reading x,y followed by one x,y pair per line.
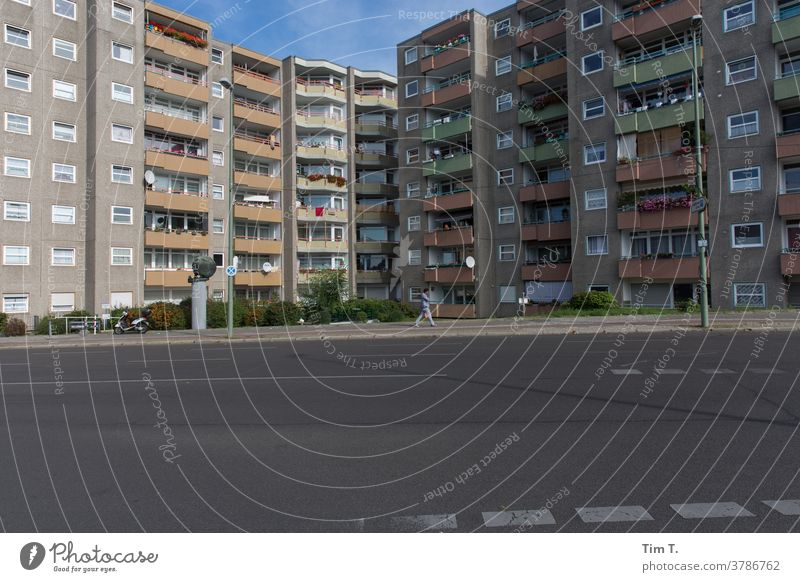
x,y
542,60
544,20
256,74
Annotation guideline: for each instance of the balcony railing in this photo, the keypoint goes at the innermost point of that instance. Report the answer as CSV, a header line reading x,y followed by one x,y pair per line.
x,y
543,60
307,113
175,76
452,43
187,115
435,193
338,88
379,122
176,35
449,119
257,75
544,20
642,8
387,93
178,152
785,13
537,221
457,80
654,55
177,192
255,106
257,137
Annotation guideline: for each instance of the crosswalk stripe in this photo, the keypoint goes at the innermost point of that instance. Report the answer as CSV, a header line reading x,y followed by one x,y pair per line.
x,y
518,518
706,510
613,513
626,372
785,506
672,371
426,522
717,371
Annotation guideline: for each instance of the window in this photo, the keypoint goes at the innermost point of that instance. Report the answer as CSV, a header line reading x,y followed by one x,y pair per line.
x,y
739,16
16,123
18,211
411,55
15,303
505,215
121,215
750,294
62,257
502,66
591,18
743,124
412,121
597,245
412,88
63,214
17,167
593,63
62,302
121,174
506,252
121,256
63,173
412,190
18,36
412,155
123,93
217,123
505,101
741,70
121,133
64,90
219,259
218,158
594,108
508,293
414,294
601,288
218,192
217,90
64,131
64,49
16,255
502,28
505,177
595,199
217,56
17,80
747,235
121,52
414,223
594,153
122,12
414,257
745,179
218,226
64,8
505,139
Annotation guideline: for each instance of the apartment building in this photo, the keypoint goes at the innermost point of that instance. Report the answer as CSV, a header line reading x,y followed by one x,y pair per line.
x,y
128,130
552,142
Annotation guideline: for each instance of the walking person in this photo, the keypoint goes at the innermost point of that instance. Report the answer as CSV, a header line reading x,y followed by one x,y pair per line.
x,y
425,308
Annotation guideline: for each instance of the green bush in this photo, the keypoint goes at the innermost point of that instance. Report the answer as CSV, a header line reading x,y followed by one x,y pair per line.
x,y
384,310
165,316
59,324
592,300
323,316
14,327
216,314
3,319
281,313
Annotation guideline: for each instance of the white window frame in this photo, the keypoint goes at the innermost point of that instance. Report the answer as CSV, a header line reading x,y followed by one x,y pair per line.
x,y
755,176
215,188
414,257
119,170
601,54
217,90
741,115
7,204
217,222
26,254
217,155
585,12
15,296
410,155
747,246
61,306
114,214
725,19
506,253
505,139
506,215
502,25
594,190
414,223
602,108
6,125
6,71
763,294
736,62
413,190
505,177
412,122
114,93
408,91
15,159
503,66
504,102
507,294
53,214
70,253
120,47
591,236
63,124
217,51
19,28
74,173
74,9
65,44
129,254
214,120
61,87
119,126
413,51
125,9
594,146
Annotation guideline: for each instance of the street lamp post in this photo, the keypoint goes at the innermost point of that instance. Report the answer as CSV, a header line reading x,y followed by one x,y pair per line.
x,y
702,243
225,82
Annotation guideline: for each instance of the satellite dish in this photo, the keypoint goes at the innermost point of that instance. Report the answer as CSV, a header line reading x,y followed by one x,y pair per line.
x,y
470,262
149,177
267,267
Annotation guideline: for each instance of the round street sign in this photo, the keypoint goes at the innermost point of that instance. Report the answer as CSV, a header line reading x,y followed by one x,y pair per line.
x,y
230,271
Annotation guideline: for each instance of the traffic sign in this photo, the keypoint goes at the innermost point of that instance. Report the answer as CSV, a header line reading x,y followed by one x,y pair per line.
x,y
698,205
230,271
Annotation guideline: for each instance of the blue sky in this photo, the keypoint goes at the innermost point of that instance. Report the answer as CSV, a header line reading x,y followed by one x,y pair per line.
x,y
362,33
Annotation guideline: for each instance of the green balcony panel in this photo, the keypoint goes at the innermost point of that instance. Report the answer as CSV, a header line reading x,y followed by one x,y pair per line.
x,y
785,30
447,167
658,117
548,112
658,68
546,151
787,88
447,130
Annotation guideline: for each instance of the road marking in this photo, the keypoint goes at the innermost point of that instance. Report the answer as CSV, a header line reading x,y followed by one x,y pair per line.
x,y
765,371
178,360
426,522
614,513
518,518
706,510
230,379
626,372
785,506
718,371
674,371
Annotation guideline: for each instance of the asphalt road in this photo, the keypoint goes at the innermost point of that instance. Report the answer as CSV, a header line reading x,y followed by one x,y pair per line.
x,y
496,434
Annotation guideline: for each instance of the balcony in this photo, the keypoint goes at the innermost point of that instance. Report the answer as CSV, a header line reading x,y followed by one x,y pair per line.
x,y
788,145
660,269
322,214
666,14
658,117
257,82
373,277
657,220
376,129
321,183
447,202
318,89
255,213
375,246
455,237
790,263
258,279
449,275
376,189
446,94
175,48
177,162
257,181
677,61
786,88
545,231
542,70
657,168
178,85
336,246
377,214
175,239
256,246
536,114
447,166
376,159
542,29
789,204
167,278
310,121
256,145
453,311
786,26
375,98
176,125
321,152
545,192
176,201
255,113
446,57
449,127
547,272
552,150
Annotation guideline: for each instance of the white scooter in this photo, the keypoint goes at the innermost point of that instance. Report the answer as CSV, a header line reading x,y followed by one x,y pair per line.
x,y
140,324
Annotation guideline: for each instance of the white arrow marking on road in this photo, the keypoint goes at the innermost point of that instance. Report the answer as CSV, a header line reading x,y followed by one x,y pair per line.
x,y
704,510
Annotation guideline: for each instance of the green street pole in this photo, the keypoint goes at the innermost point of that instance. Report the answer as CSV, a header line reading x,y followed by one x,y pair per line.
x,y
697,24
229,230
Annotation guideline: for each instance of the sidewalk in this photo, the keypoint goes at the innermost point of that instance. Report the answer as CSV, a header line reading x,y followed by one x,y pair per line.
x,y
752,321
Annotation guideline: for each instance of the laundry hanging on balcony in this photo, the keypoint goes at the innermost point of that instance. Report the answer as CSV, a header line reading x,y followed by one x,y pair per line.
x,y
319,210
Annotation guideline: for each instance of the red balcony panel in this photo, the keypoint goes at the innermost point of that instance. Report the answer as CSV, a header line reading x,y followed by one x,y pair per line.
x,y
449,238
447,94
666,17
544,192
790,264
449,275
672,218
788,145
542,72
789,204
445,58
542,32
552,272
657,168
660,269
449,202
